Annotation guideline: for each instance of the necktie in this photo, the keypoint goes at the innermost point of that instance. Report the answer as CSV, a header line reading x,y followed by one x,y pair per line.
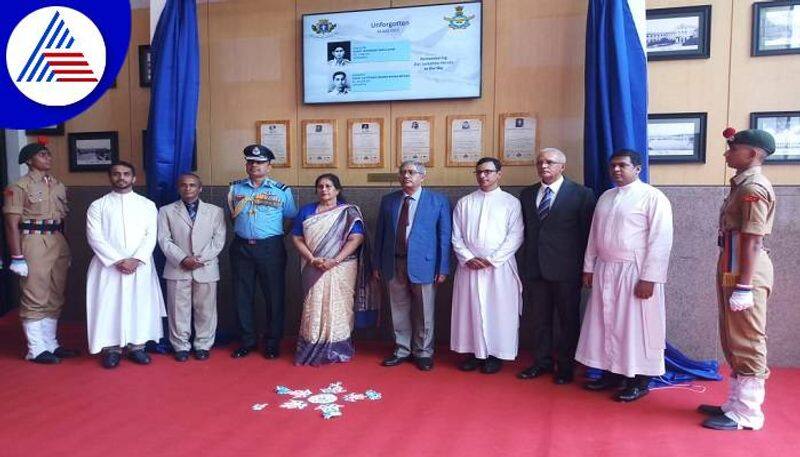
x,y
544,206
401,244
192,209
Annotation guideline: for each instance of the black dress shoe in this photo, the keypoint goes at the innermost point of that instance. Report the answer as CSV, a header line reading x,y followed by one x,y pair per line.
x,y
491,365
393,361
139,356
469,363
242,351
631,393
63,353
710,410
607,381
111,359
534,372
723,422
46,358
181,356
425,363
271,353
562,378
202,354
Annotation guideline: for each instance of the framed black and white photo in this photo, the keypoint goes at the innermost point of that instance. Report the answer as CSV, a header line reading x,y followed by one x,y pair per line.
x,y
92,151
785,128
679,33
676,138
145,66
48,130
776,28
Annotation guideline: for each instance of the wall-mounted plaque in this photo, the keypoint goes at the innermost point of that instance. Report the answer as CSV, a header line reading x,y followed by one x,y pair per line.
x,y
275,136
318,138
518,139
365,143
415,139
465,140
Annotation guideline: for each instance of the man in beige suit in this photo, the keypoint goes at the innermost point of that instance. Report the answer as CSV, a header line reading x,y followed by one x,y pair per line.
x,y
191,233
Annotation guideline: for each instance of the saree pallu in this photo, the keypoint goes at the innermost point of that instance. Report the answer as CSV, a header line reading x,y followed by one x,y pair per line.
x,y
328,296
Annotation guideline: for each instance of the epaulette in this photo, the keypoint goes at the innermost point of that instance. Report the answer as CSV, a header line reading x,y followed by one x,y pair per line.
x,y
238,181
279,184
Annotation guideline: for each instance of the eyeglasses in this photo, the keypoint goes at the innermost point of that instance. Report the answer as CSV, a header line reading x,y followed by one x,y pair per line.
x,y
408,172
549,163
483,172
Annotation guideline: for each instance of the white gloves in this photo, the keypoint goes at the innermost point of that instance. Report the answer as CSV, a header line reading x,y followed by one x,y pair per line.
x,y
741,298
19,266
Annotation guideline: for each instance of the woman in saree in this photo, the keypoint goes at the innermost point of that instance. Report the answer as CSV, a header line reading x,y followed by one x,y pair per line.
x,y
328,234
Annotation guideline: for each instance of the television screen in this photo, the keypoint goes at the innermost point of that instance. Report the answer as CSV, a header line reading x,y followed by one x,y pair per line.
x,y
413,53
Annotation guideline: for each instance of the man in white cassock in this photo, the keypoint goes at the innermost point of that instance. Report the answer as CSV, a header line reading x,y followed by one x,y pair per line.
x,y
623,331
124,304
487,292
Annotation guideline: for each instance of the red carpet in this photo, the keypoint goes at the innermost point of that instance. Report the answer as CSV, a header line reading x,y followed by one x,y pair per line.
x,y
204,409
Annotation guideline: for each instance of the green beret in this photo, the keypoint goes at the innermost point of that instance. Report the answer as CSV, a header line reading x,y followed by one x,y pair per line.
x,y
30,150
755,138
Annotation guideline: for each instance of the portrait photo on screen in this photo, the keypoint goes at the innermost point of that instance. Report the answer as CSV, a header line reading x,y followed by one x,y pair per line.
x,y
339,53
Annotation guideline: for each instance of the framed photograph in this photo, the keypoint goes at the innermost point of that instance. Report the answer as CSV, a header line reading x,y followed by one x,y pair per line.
x,y
92,151
676,138
465,139
49,130
518,139
145,66
275,135
679,33
785,128
414,139
318,143
365,143
776,28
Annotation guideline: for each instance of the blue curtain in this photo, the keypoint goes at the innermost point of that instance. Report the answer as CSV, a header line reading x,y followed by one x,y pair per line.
x,y
615,89
174,96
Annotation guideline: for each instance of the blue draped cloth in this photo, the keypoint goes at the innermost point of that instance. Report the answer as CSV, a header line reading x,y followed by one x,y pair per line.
x,y
615,114
174,98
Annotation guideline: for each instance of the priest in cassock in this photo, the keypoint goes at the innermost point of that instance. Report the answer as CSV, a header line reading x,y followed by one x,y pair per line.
x,y
487,292
626,264
124,304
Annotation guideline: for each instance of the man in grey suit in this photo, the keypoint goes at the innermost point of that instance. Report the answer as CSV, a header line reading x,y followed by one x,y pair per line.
x,y
557,214
412,255
191,233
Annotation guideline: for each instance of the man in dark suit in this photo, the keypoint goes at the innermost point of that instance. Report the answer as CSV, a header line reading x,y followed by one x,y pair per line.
x,y
557,214
412,255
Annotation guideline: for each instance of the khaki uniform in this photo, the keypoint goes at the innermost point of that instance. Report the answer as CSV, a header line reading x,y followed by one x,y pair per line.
x,y
41,200
749,209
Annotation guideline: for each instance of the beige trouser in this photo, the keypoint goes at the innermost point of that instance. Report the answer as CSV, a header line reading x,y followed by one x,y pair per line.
x,y
743,334
412,314
184,299
43,289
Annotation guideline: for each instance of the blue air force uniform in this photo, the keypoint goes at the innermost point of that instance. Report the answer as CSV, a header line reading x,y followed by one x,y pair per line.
x,y
257,251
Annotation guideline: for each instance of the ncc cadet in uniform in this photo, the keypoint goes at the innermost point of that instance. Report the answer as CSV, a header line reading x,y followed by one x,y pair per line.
x,y
258,206
35,208
744,281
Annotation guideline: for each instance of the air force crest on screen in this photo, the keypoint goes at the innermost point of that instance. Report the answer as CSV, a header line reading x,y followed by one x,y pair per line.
x,y
323,27
56,56
459,20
